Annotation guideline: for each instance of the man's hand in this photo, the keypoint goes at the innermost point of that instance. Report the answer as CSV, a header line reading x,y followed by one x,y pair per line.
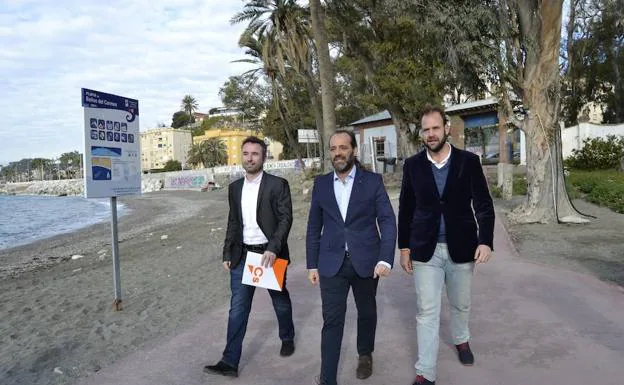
x,y
483,254
313,276
226,265
406,261
381,271
268,258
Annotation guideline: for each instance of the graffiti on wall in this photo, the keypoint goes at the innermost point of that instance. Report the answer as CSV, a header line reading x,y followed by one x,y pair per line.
x,y
185,182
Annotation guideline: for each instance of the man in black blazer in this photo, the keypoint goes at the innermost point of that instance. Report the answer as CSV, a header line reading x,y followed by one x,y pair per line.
x,y
446,224
259,221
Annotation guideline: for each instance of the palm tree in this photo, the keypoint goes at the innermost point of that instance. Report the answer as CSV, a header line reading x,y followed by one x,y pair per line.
x,y
265,54
189,105
280,35
40,164
209,153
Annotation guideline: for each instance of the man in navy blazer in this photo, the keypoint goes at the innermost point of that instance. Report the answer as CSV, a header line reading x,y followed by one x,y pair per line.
x,y
350,243
446,224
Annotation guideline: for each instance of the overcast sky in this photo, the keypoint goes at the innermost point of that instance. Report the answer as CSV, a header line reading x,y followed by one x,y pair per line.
x,y
155,51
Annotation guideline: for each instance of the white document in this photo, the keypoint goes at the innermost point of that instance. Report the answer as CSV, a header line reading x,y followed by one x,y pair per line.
x,y
255,274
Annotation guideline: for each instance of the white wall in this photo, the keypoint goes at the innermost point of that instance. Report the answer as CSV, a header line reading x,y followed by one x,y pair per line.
x,y
573,137
390,144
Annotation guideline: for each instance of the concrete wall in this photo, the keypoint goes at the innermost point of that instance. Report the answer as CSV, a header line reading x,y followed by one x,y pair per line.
x,y
573,137
222,176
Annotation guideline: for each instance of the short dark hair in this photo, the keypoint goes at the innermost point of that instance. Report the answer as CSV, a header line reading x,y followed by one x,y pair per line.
x,y
430,109
255,139
348,132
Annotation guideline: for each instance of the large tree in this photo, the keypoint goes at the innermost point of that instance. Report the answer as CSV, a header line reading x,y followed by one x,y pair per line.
x,y
246,95
181,119
265,55
283,27
594,59
530,70
411,53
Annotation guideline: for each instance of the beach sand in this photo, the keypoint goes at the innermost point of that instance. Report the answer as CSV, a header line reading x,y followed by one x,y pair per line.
x,y
57,321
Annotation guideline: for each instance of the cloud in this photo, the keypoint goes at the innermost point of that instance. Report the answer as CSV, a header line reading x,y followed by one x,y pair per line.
x,y
155,51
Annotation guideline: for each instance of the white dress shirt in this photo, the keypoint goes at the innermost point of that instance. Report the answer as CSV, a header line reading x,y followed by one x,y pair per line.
x,y
252,235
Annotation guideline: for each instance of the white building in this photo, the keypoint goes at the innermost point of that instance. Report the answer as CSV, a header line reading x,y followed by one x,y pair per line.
x,y
160,145
376,138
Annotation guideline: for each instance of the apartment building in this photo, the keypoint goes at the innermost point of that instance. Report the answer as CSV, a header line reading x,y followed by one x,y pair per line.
x,y
160,145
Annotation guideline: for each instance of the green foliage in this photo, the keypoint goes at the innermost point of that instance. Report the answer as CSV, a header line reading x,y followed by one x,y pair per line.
x,y
496,191
172,165
181,119
519,184
595,61
189,105
412,53
245,94
209,153
605,188
598,154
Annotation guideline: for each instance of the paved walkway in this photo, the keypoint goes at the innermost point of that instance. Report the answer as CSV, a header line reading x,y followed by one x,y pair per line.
x,y
531,324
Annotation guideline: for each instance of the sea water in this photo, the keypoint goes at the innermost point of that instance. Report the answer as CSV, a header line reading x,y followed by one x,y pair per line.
x,y
25,219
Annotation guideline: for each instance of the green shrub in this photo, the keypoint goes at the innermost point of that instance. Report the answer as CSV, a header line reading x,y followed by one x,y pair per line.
x,y
496,192
519,184
172,165
604,188
598,154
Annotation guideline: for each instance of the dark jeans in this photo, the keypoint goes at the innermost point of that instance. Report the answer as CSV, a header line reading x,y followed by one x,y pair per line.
x,y
334,292
240,306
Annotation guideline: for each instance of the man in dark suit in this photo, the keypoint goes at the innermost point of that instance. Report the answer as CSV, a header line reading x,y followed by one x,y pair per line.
x,y
259,221
439,238
344,249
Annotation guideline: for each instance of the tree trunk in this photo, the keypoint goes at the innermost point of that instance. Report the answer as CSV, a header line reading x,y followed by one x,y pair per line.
x,y
277,96
326,74
318,117
547,198
405,147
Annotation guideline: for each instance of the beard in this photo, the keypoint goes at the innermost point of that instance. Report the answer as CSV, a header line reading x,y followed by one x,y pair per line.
x,y
253,168
438,146
342,164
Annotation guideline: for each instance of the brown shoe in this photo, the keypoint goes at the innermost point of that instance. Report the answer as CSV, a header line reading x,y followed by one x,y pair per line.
x,y
465,354
365,367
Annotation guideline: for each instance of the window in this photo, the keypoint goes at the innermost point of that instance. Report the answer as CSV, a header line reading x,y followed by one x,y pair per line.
x,y
159,145
380,146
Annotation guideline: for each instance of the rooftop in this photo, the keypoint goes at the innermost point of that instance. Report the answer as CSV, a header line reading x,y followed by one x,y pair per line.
x,y
383,115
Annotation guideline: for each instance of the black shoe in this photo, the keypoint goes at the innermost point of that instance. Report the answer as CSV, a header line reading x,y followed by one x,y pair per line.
x,y
420,380
288,348
465,354
222,368
365,367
